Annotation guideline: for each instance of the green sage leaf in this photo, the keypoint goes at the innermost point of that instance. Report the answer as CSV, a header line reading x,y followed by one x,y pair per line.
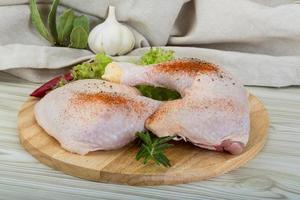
x,y
82,21
52,19
65,26
78,38
38,22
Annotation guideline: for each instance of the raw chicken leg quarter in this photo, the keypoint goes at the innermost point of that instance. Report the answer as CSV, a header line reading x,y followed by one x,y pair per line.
x,y
213,112
90,115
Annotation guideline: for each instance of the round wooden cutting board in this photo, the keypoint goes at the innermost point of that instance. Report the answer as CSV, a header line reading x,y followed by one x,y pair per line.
x,y
189,163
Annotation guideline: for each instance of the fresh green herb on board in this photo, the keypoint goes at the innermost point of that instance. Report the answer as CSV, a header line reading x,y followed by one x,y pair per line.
x,y
153,148
68,31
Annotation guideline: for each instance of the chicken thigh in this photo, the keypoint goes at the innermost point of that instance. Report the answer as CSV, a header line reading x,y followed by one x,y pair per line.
x,y
213,112
89,115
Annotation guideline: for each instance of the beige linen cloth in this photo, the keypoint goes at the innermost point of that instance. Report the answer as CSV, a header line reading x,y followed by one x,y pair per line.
x,y
258,41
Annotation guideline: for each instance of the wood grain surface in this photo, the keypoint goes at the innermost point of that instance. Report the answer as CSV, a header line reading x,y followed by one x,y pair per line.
x,y
189,163
272,174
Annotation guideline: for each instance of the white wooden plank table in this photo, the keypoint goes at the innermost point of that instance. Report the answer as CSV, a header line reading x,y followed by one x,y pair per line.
x,y
273,174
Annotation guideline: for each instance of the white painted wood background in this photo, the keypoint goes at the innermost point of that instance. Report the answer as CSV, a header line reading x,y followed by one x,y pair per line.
x,y
273,174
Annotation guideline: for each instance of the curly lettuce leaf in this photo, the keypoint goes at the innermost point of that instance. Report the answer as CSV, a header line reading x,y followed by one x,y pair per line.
x,y
91,70
103,60
156,55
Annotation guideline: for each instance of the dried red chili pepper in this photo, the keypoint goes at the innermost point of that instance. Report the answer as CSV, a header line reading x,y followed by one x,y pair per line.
x,y
42,91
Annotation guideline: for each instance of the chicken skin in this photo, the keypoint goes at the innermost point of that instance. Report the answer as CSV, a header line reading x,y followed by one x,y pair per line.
x,y
89,115
213,112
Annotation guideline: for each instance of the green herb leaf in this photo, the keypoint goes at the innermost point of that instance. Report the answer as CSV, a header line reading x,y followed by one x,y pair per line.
x,y
152,148
158,93
145,137
78,38
140,153
102,59
82,21
79,34
163,140
65,26
93,69
156,55
162,147
52,19
38,22
161,158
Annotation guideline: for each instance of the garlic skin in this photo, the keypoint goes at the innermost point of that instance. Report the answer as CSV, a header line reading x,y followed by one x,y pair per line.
x,y
111,37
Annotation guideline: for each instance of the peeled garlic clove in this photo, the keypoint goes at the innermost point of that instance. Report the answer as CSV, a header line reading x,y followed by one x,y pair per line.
x,y
111,37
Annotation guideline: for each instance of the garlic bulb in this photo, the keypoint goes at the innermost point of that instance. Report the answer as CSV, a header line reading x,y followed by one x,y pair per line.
x,y
111,37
